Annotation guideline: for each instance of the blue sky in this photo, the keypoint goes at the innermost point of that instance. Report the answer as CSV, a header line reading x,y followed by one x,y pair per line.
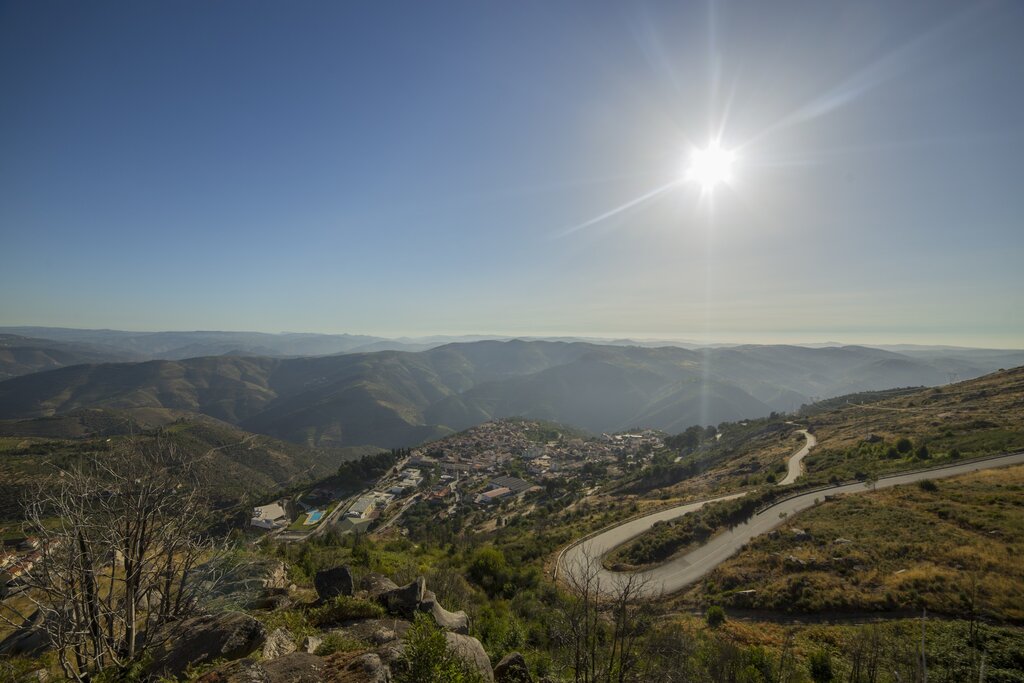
x,y
418,168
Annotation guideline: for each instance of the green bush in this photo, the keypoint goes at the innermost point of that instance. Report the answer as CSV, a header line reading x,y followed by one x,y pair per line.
x,y
345,608
715,616
427,657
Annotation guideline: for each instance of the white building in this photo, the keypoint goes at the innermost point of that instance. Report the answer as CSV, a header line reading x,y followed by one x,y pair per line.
x,y
362,507
269,516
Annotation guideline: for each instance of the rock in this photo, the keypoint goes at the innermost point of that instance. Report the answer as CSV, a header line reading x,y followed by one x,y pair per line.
x,y
227,635
458,622
238,671
298,667
383,635
404,601
330,583
365,668
512,669
274,598
311,643
471,652
276,576
368,629
279,643
376,584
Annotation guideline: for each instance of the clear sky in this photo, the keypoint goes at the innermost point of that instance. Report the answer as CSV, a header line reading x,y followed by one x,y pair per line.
x,y
437,167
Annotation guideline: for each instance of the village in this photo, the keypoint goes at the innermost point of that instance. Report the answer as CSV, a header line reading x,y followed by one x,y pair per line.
x,y
492,465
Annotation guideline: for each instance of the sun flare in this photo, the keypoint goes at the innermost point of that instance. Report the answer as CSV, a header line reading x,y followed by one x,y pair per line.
x,y
711,166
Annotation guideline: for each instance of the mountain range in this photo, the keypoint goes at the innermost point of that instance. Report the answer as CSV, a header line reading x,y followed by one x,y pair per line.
x,y
399,398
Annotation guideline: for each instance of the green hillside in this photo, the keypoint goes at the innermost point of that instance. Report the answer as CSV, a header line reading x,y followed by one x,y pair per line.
x,y
233,463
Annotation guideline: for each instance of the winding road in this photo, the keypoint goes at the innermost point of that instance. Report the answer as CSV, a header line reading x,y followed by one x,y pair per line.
x,y
796,460
586,555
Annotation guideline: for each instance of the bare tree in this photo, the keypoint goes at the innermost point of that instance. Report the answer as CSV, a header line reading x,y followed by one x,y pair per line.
x,y
121,538
604,623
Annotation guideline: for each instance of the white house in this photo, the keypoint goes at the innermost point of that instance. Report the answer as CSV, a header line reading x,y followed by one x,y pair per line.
x,y
269,516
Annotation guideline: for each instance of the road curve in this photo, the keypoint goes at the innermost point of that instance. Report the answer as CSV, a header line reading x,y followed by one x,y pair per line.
x,y
795,462
681,571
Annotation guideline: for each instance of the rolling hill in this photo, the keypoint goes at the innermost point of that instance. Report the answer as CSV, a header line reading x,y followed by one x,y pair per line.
x,y
394,398
232,462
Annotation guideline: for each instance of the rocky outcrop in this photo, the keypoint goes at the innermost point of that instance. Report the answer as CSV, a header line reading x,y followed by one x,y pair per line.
x,y
228,635
456,622
279,643
404,601
512,669
311,643
472,652
375,585
331,583
234,637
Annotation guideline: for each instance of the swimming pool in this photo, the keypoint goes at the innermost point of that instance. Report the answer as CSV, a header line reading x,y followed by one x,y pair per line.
x,y
313,516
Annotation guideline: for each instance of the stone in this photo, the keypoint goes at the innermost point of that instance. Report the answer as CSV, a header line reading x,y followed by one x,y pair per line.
x,y
383,635
376,584
276,576
238,671
404,601
457,622
472,652
200,640
298,667
371,667
311,643
279,643
512,669
330,583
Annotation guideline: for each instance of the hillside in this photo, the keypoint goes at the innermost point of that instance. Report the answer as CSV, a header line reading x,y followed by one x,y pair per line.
x,y
24,355
232,462
393,398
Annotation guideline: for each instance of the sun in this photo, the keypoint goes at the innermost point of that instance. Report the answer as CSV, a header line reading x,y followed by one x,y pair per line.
x,y
711,166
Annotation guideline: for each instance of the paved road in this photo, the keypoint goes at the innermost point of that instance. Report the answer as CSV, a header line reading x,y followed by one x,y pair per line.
x,y
684,570
796,460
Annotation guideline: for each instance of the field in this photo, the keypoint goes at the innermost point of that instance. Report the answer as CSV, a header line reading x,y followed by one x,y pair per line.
x,y
952,546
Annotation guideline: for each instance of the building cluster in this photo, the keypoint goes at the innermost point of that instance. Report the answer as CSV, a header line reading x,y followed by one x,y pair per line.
x,y
18,560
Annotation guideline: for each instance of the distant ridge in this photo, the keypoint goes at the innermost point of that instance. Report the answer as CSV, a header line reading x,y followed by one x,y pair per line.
x,y
399,398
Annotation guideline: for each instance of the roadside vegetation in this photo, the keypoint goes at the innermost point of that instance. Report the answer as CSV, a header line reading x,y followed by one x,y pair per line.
x,y
952,546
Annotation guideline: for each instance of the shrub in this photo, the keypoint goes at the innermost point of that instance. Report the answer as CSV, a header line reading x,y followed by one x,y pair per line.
x,y
427,657
922,452
820,664
715,616
927,485
345,608
904,445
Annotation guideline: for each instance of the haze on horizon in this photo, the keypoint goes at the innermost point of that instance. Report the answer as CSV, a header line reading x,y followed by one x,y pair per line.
x,y
413,169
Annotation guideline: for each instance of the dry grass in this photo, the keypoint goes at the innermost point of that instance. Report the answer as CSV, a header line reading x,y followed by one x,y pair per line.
x,y
952,550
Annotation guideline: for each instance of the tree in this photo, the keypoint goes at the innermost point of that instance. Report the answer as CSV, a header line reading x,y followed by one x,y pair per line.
x,y
904,445
121,558
820,664
602,626
922,452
